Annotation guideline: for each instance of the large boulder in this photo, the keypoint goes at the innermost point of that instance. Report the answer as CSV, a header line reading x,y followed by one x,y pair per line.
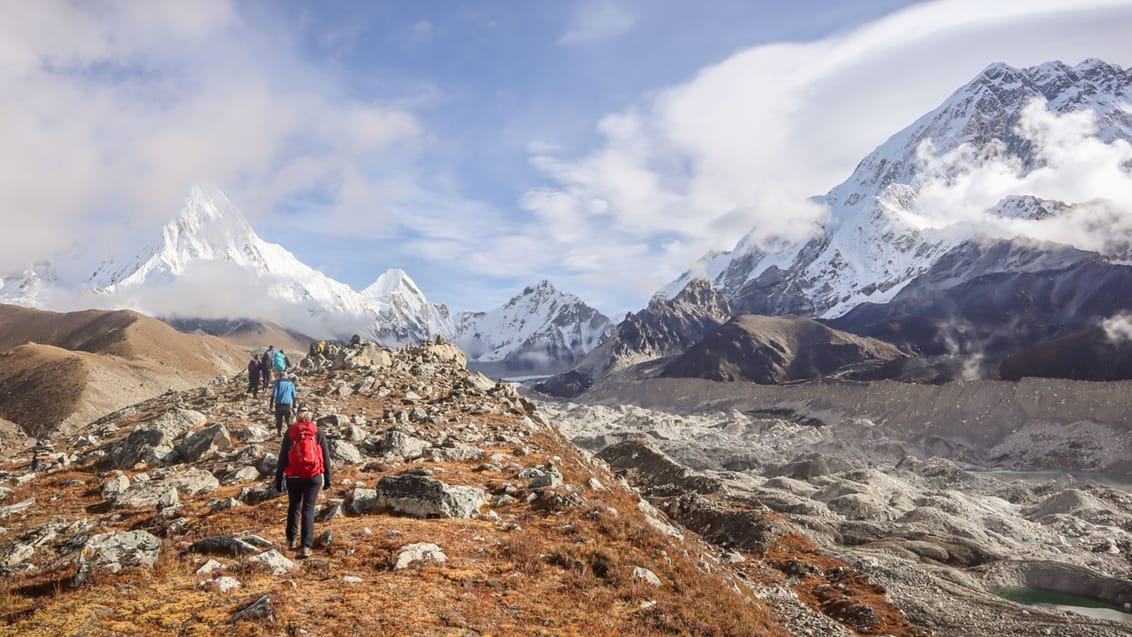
x,y
363,355
445,352
423,497
204,444
115,551
344,452
147,493
397,445
152,442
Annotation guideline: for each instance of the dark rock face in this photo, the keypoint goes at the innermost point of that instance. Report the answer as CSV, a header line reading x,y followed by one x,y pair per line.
x,y
666,327
1090,355
1023,299
770,350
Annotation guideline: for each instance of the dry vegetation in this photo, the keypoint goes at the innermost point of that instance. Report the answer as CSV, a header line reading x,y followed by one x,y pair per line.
x,y
543,569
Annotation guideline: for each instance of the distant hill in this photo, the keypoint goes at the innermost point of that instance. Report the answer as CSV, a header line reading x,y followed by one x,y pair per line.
x,y
248,333
777,349
59,371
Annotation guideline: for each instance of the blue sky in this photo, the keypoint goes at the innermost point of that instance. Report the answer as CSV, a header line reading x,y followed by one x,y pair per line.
x,y
482,146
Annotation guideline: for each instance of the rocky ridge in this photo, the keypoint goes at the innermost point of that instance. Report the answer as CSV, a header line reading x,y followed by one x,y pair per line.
x,y
451,490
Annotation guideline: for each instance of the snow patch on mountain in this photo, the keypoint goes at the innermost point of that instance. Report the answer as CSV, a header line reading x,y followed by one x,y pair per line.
x,y
541,328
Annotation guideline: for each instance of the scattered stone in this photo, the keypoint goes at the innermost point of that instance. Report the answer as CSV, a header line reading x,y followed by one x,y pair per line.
x,y
152,442
114,551
16,508
204,444
224,584
274,561
210,567
113,487
344,452
543,475
222,545
352,579
421,552
258,611
20,553
646,576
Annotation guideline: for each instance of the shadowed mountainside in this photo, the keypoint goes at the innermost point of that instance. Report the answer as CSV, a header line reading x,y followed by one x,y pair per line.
x,y
774,349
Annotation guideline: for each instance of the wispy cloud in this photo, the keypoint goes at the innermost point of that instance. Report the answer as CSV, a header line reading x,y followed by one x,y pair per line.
x,y
596,20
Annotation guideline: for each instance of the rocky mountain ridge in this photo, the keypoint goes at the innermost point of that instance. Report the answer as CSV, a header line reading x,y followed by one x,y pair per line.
x,y
449,489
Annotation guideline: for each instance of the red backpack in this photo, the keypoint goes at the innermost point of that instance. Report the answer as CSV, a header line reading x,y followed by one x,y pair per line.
x,y
305,457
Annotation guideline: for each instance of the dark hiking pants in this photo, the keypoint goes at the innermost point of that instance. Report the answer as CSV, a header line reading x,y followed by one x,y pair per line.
x,y
301,494
282,417
265,372
253,383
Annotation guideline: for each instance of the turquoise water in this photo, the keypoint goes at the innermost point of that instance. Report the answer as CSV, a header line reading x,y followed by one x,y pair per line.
x,y
1065,601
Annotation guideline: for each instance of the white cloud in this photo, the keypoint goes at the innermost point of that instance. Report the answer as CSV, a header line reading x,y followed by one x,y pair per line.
x,y
596,20
746,142
113,110
1074,166
1118,328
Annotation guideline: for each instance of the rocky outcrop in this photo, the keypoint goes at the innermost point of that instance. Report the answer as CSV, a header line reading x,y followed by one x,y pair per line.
x,y
153,442
114,551
665,328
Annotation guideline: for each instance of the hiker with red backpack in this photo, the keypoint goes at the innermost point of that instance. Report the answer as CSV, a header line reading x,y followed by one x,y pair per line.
x,y
305,461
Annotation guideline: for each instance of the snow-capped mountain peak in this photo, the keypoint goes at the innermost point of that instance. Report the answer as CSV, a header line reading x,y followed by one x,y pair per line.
x,y
540,329
876,240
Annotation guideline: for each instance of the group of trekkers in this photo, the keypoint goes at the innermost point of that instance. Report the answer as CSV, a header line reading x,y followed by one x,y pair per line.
x,y
304,459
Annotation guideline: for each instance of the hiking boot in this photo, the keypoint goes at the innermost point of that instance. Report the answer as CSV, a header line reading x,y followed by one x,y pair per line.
x,y
306,552
292,545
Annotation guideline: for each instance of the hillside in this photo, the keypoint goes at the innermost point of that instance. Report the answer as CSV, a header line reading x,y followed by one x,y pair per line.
x,y
532,536
247,333
62,370
772,349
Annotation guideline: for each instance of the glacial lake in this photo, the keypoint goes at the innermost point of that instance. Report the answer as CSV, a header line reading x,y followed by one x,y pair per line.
x,y
1065,601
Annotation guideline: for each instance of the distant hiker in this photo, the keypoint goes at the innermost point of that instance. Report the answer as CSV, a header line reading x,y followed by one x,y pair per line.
x,y
282,397
305,460
279,360
266,362
253,376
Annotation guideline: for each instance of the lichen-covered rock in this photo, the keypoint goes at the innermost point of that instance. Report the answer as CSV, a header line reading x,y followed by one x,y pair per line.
x,y
152,442
204,444
421,552
420,496
146,494
114,551
397,445
344,452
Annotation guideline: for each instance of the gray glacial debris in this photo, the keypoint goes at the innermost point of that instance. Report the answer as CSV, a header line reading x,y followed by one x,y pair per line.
x,y
420,496
938,538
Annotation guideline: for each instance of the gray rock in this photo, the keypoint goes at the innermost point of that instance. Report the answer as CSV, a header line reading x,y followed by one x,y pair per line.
x,y
113,487
478,381
273,561
204,444
345,452
223,545
365,355
258,611
152,442
19,554
210,567
457,452
544,475
363,500
646,576
241,475
421,552
224,584
424,497
147,494
397,445
115,551
16,508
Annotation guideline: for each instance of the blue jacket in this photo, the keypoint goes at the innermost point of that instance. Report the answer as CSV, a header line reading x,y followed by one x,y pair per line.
x,y
283,393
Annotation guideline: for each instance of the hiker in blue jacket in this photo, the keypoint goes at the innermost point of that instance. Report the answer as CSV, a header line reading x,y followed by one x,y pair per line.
x,y
282,398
